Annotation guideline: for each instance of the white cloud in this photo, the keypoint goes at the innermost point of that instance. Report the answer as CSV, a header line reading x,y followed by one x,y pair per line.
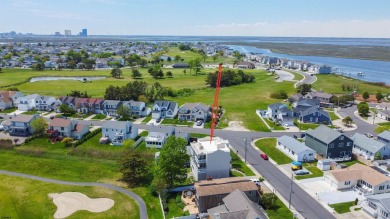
x,y
351,28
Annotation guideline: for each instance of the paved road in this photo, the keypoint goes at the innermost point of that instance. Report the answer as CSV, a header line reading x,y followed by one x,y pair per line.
x,y
362,126
308,79
139,200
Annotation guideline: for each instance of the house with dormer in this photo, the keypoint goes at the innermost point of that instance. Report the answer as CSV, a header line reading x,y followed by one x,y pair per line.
x,y
194,112
45,103
117,132
164,109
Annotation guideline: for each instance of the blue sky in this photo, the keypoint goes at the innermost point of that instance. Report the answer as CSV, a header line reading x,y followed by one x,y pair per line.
x,y
316,18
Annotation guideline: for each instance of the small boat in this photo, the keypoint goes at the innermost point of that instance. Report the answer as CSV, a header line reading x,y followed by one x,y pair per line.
x,y
361,74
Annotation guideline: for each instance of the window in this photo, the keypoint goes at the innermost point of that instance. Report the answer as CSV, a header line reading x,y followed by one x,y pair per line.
x,y
341,137
62,128
383,213
310,154
349,144
347,183
341,144
388,187
381,187
331,145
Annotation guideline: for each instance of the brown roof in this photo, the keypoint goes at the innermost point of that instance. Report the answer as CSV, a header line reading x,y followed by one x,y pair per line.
x,y
224,186
6,96
22,118
60,122
78,127
360,171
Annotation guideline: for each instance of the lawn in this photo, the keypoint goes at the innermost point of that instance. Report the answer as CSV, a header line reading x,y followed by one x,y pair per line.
x,y
189,55
57,163
342,207
382,127
312,167
273,125
350,163
197,135
305,126
10,110
268,146
281,211
99,117
238,164
31,112
176,122
333,116
332,84
147,119
25,198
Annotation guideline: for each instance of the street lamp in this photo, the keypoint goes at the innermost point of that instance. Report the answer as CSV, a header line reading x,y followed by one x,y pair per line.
x,y
245,148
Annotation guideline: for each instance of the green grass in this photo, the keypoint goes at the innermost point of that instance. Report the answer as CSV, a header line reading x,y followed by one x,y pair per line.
x,y
31,112
10,110
342,207
332,84
25,198
268,146
382,127
281,211
234,173
176,122
350,163
175,205
144,133
273,125
56,163
312,167
238,164
99,117
333,116
197,135
147,119
305,126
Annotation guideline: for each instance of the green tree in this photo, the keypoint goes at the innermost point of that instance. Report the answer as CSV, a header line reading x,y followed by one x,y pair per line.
x,y
123,111
363,109
378,156
268,201
65,109
379,96
304,89
236,54
169,74
38,67
136,168
135,73
177,58
39,126
215,57
347,120
67,141
116,72
366,95
169,59
171,163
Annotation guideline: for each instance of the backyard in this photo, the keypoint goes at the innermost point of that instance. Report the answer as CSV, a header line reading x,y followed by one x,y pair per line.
x,y
342,207
312,167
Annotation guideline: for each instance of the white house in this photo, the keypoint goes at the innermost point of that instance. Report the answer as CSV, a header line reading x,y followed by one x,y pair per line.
x,y
280,113
27,103
164,109
21,125
194,112
364,178
296,150
45,103
158,136
117,131
367,147
9,99
67,128
210,159
378,206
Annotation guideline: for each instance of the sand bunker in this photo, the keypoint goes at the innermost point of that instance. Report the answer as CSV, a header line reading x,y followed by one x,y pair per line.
x,y
69,202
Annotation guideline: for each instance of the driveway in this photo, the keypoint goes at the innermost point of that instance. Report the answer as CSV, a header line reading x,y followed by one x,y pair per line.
x,y
339,196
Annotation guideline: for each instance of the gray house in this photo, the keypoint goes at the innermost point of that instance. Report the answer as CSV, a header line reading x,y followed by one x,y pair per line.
x,y
21,125
110,107
367,147
164,109
280,113
194,112
315,115
378,206
384,137
329,143
116,131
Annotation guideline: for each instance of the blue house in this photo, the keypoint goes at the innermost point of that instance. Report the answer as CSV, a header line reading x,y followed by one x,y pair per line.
x,y
315,115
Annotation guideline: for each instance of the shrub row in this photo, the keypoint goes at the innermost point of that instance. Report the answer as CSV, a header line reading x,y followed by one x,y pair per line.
x,y
6,144
86,137
32,137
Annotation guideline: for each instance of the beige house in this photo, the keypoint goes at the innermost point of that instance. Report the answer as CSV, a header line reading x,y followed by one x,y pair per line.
x,y
363,178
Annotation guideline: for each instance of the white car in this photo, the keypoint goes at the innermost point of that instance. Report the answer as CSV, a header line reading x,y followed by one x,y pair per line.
x,y
286,126
256,181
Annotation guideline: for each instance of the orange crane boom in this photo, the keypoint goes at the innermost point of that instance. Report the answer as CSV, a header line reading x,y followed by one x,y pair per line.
x,y
215,107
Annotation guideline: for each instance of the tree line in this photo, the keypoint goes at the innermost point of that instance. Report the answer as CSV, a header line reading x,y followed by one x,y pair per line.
x,y
229,78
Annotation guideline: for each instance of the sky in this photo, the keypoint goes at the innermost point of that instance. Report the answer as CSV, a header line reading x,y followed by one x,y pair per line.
x,y
286,18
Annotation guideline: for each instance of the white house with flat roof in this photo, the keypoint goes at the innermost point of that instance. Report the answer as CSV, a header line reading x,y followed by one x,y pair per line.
x,y
295,149
157,136
210,159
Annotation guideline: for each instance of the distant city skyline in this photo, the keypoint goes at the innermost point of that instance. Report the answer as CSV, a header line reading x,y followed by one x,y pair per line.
x,y
302,18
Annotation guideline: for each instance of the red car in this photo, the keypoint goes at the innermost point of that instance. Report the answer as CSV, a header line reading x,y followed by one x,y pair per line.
x,y
264,156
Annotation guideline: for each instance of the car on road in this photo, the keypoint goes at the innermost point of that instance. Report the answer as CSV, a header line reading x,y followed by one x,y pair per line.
x,y
199,122
368,135
264,156
301,172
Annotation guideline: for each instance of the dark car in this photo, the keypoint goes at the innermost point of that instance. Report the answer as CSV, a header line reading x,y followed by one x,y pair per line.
x,y
158,120
264,156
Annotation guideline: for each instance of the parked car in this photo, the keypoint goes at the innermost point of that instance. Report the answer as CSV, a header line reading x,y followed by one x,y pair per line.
x,y
369,135
301,172
296,165
51,117
158,120
199,122
257,181
264,156
286,126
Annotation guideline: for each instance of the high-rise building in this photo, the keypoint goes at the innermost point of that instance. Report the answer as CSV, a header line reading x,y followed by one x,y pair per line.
x,y
57,34
84,33
68,33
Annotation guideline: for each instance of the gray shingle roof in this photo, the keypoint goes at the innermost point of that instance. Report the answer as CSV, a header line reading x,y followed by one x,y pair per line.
x,y
314,109
385,135
366,143
164,129
277,106
237,201
111,102
114,124
384,199
293,144
324,134
308,102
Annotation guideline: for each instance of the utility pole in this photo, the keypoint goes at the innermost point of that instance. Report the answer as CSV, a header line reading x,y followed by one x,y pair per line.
x,y
291,191
245,148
